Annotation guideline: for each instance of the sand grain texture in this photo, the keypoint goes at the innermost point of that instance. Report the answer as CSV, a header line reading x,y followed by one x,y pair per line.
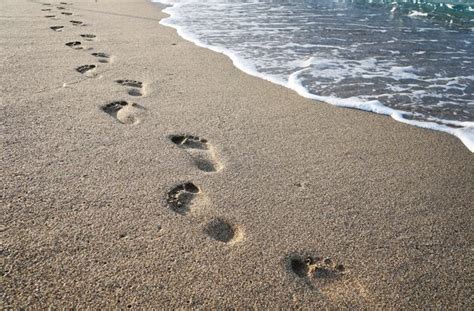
x,y
84,214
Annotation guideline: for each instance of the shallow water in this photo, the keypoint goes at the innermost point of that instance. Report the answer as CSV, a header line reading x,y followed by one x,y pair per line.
x,y
412,60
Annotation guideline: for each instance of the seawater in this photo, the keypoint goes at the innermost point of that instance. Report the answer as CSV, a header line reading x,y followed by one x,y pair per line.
x,y
410,59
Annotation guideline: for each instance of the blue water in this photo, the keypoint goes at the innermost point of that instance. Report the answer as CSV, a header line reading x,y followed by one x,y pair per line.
x,y
411,59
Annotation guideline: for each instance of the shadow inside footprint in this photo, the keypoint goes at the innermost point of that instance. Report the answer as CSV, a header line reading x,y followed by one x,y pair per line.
x,y
124,112
314,268
57,28
87,70
88,37
131,83
222,231
200,151
103,57
50,16
66,13
299,267
60,8
76,23
74,44
45,10
180,197
134,86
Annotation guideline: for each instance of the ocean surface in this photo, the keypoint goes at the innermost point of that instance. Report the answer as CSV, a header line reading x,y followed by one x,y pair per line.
x,y
412,60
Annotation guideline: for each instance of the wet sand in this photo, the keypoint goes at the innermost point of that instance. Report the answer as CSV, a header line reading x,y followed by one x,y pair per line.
x,y
141,171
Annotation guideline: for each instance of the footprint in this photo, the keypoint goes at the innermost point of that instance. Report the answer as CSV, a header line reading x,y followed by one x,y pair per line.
x,y
63,3
88,70
75,45
181,198
328,278
45,10
60,8
88,37
134,86
103,57
50,16
46,3
200,151
221,230
76,23
124,112
314,269
66,13
57,28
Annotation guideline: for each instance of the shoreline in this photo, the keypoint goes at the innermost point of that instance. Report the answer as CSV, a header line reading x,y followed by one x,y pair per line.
x,y
464,131
166,177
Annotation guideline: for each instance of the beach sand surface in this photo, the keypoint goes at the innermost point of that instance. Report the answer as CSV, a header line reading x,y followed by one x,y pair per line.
x,y
165,177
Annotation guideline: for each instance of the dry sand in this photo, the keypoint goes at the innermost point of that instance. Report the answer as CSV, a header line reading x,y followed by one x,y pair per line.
x,y
106,204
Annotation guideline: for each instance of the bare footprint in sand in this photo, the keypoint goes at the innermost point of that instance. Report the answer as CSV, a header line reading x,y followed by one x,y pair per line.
x,y
66,13
124,112
60,8
77,23
75,45
329,278
183,198
134,88
50,16
46,10
202,153
314,269
87,70
102,57
88,37
57,28
222,230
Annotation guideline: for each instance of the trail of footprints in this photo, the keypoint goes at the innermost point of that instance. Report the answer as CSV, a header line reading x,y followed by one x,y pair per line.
x,y
182,198
185,198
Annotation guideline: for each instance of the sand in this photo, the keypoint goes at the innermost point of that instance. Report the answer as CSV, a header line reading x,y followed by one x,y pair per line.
x,y
190,184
